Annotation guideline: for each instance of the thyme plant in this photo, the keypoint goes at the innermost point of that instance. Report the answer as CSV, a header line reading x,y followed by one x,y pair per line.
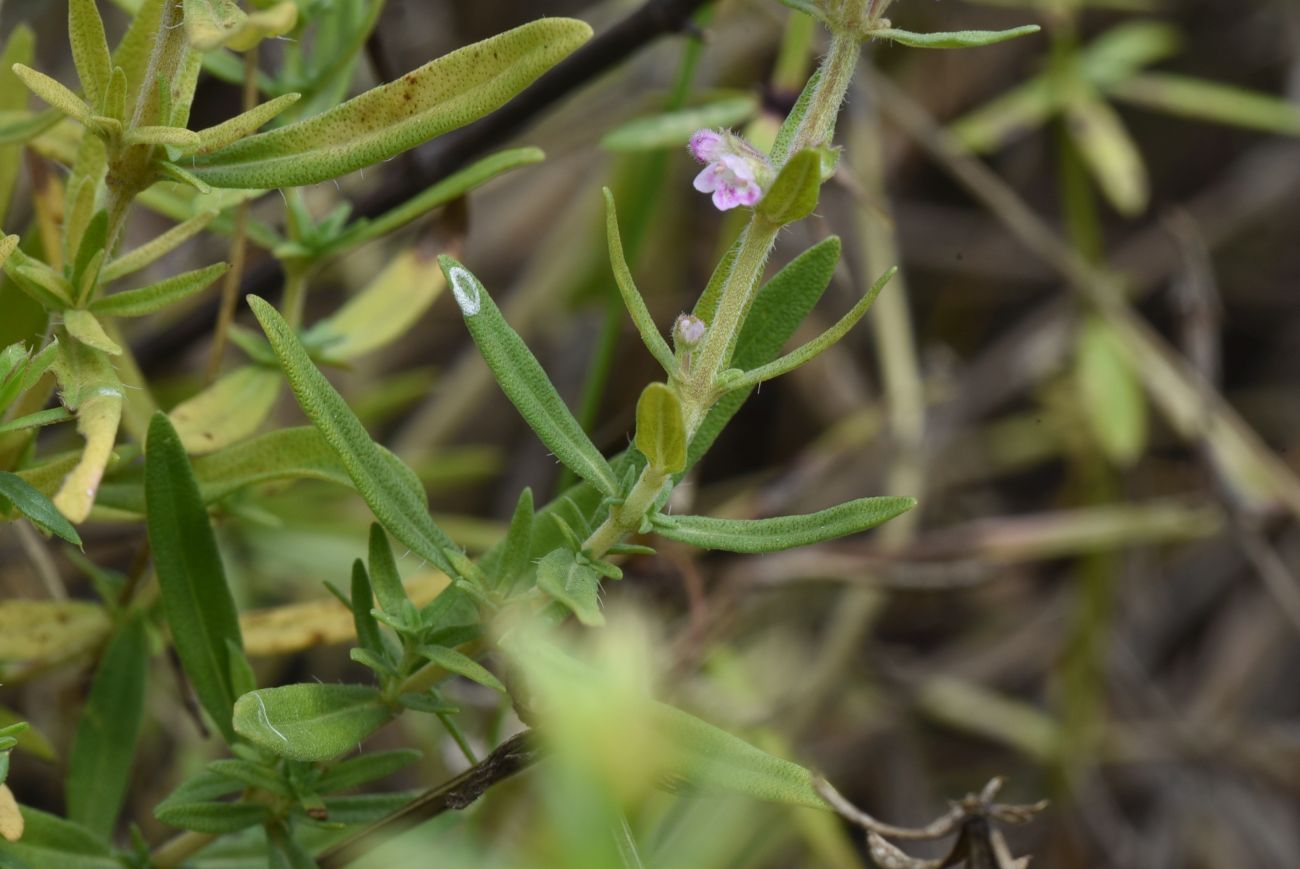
x,y
123,132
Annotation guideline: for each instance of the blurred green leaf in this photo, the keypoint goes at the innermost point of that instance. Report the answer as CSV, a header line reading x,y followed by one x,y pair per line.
x,y
440,96
781,532
955,39
310,722
99,767
16,492
1109,152
383,481
1210,101
194,806
211,24
674,129
196,600
462,665
575,585
357,771
50,841
660,429
524,381
1114,404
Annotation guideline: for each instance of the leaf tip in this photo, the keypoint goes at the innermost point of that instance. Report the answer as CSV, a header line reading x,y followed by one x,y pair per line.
x,y
464,286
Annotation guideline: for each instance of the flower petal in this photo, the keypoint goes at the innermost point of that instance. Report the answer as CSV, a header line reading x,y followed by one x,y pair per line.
x,y
708,180
705,145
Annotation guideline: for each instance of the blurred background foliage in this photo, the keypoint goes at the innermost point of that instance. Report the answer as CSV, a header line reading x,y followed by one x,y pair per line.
x,y
1097,597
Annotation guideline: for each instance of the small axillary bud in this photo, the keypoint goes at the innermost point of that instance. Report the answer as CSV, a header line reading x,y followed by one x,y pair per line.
x,y
688,332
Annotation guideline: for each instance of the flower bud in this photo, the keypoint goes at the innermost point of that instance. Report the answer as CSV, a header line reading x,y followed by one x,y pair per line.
x,y
688,331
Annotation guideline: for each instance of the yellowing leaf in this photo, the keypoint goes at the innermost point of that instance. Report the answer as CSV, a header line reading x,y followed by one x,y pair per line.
x,y
227,411
89,385
40,630
11,820
83,326
211,24
440,96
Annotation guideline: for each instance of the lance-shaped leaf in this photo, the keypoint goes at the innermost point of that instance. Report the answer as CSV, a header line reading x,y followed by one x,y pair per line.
x,y
243,124
632,300
525,383
89,385
99,767
1210,101
442,95
813,348
397,504
660,429
781,532
139,257
1114,404
53,93
196,805
211,24
462,665
362,602
577,586
33,504
955,39
89,49
674,129
310,722
359,770
20,127
707,757
1109,152
796,190
196,600
176,137
515,550
155,297
228,411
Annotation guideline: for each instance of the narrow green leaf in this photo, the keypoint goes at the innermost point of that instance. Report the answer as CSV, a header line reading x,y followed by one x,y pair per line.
x,y
195,597
779,307
515,554
1109,152
674,129
17,125
243,124
384,575
133,52
36,507
99,767
1113,402
440,96
157,247
367,768
90,253
89,49
228,411
83,326
51,286
813,348
524,382
53,93
796,190
362,599
195,806
452,187
36,420
21,127
155,297
398,506
785,136
781,532
632,300
955,39
710,758
114,105
176,137
462,665
252,774
175,173
575,585
660,428
310,722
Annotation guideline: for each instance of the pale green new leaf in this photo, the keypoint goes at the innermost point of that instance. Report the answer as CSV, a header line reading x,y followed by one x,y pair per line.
x,y
955,39
1109,152
243,124
19,127
781,532
99,767
524,382
176,137
196,600
632,300
440,96
384,577
53,93
89,49
1114,405
674,129
33,504
155,297
83,326
462,665
228,411
310,722
660,429
399,506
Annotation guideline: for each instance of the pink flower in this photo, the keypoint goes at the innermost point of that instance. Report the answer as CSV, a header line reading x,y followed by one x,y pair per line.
x,y
735,172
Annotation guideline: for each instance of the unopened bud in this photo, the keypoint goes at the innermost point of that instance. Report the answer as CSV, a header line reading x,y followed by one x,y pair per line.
x,y
688,331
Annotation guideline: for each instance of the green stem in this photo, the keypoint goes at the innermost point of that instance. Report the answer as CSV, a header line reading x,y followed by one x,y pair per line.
x,y
818,125
295,292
